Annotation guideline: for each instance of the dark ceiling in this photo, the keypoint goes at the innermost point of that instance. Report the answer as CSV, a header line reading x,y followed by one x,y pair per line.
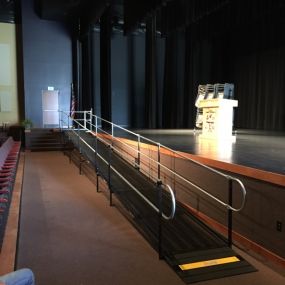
x,y
90,11
8,11
169,12
214,16
67,9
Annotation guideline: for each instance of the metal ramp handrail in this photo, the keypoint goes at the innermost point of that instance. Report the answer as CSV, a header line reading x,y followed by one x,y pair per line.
x,y
188,181
88,120
228,177
172,195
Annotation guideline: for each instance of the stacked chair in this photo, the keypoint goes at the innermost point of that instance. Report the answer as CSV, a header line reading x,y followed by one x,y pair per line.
x,y
9,155
211,91
199,114
224,91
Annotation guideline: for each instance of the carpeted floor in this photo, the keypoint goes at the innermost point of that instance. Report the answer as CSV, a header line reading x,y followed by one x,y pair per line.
x,y
70,235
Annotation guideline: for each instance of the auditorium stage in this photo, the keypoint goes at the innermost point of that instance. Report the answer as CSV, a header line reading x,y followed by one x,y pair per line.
x,y
262,154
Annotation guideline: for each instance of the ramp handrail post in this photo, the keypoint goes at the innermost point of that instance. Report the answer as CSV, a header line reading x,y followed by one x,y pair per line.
x,y
90,120
159,198
158,160
230,212
96,164
112,132
84,119
96,154
109,175
139,152
78,137
80,164
59,124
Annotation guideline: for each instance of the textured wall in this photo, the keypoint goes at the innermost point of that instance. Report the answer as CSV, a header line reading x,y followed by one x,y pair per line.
x,y
8,74
47,61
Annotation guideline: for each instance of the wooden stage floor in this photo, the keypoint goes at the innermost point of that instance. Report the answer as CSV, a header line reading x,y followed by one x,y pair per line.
x,y
254,150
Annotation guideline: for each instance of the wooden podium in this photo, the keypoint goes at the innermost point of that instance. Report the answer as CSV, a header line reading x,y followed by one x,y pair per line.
x,y
217,117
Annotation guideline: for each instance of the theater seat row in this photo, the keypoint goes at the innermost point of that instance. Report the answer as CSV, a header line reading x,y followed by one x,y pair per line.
x,y
9,156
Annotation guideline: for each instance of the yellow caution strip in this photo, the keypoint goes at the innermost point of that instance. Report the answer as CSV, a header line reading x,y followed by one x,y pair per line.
x,y
206,263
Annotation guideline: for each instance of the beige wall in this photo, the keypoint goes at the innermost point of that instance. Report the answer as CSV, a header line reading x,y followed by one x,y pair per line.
x,y
9,109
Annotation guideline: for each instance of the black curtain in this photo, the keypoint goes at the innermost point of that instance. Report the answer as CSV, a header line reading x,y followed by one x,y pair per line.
x,y
151,106
75,87
131,80
87,100
260,89
188,63
191,83
223,46
105,65
258,69
240,42
188,60
169,116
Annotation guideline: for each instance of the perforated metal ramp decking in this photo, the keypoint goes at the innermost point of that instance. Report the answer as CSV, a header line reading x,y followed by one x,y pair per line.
x,y
194,251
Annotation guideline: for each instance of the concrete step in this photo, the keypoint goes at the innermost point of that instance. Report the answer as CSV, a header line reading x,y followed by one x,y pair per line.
x,y
46,148
43,140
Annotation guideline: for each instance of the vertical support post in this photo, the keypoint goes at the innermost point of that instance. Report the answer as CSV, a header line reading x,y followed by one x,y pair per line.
x,y
84,120
139,152
159,196
80,165
112,133
97,181
109,176
230,213
96,151
158,160
90,121
59,119
78,138
96,156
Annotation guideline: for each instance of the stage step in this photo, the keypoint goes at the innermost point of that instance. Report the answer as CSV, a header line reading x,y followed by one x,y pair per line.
x,y
208,264
44,140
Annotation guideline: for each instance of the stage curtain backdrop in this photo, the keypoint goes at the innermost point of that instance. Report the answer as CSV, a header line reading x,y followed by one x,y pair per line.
x,y
151,112
225,42
231,45
260,88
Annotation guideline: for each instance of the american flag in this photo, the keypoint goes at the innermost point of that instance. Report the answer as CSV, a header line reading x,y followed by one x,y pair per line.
x,y
72,103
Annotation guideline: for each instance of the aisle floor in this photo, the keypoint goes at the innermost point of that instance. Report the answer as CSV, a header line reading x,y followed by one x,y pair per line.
x,y
70,235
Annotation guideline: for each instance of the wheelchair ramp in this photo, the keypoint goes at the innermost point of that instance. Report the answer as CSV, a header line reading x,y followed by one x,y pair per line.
x,y
190,247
